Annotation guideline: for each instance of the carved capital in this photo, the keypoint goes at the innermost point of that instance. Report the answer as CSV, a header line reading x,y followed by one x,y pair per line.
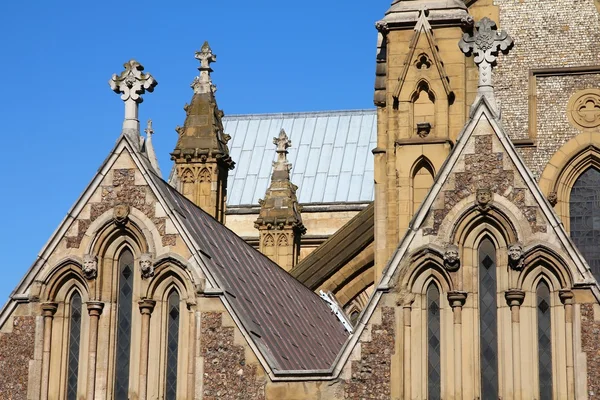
x,y
514,297
95,308
147,265
457,298
515,256
146,306
566,296
452,258
90,266
49,309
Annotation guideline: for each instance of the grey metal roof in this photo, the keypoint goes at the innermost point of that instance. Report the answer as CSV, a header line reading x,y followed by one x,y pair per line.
x,y
295,329
330,155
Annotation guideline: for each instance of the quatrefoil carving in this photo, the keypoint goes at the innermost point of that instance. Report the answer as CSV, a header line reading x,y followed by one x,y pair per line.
x,y
584,109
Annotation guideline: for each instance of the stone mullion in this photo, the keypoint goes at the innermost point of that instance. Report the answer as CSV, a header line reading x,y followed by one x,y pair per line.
x,y
48,311
94,310
457,300
566,297
146,308
514,299
191,353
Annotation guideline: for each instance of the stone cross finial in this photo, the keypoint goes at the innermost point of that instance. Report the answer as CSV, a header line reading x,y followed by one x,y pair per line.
x,y
203,83
132,83
283,143
149,131
485,43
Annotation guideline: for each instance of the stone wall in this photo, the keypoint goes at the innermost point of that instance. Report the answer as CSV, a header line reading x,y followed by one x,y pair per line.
x,y
16,350
371,375
226,374
590,330
552,33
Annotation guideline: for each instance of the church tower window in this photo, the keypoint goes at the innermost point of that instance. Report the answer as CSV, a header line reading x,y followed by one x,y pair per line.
x,y
74,342
488,322
172,345
124,311
584,210
433,343
544,333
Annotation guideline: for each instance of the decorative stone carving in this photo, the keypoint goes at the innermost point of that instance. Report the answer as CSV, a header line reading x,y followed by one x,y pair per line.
x,y
583,109
552,198
147,265
423,61
452,258
484,199
484,43
515,256
382,27
121,214
423,129
90,266
514,297
203,83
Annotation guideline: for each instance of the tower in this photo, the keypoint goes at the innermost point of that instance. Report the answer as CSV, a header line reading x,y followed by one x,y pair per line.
x,y
279,222
422,87
201,156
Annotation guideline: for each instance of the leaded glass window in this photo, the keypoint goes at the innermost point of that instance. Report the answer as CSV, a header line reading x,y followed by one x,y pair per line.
x,y
74,341
124,310
434,388
488,329
172,345
584,210
544,341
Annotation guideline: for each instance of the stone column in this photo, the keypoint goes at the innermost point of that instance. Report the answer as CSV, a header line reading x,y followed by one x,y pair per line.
x,y
457,300
566,297
94,310
146,308
514,298
407,349
191,383
48,310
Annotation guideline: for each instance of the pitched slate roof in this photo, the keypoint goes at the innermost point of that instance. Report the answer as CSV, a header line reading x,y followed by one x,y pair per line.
x,y
295,329
330,155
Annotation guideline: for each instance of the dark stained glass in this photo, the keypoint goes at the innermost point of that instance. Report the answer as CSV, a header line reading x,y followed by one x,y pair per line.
x,y
172,345
544,341
74,341
124,309
488,329
434,373
584,210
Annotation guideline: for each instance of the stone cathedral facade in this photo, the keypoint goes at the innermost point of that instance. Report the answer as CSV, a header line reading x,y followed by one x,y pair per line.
x,y
458,260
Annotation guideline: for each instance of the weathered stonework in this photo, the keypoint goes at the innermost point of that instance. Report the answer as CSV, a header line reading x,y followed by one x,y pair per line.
x,y
590,330
485,168
123,191
226,374
16,350
371,376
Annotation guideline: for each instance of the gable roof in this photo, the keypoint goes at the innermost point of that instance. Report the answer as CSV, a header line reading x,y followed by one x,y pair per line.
x,y
291,330
330,155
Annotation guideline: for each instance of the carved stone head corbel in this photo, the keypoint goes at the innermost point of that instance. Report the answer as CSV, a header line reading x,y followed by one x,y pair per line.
x,y
515,256
147,265
484,199
451,258
90,266
121,214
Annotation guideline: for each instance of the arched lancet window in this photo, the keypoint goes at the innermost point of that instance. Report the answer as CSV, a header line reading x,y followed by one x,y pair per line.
x,y
584,211
172,345
544,333
488,322
434,388
74,343
124,310
422,180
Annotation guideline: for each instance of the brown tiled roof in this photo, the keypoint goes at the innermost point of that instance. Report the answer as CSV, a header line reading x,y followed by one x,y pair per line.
x,y
292,326
338,250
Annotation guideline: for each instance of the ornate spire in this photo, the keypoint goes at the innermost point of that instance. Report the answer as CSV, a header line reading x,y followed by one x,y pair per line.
x,y
203,83
485,43
279,221
132,83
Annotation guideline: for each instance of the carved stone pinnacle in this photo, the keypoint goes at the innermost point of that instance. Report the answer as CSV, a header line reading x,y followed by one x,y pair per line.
x,y
149,131
203,83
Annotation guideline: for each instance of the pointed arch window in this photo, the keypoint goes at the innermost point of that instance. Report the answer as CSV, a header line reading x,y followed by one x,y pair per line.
x,y
124,314
544,333
434,388
74,344
172,345
488,321
584,211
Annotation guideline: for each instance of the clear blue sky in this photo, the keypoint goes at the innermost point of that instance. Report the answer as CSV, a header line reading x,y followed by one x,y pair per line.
x,y
59,118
